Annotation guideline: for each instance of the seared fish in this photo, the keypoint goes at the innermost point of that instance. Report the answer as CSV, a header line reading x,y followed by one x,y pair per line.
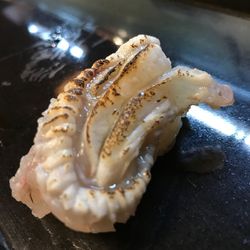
x,y
97,141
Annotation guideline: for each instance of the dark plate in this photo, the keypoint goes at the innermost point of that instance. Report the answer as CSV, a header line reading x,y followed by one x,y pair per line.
x,y
180,210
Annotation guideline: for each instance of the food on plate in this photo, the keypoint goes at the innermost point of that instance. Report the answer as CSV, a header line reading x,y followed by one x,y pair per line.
x,y
96,142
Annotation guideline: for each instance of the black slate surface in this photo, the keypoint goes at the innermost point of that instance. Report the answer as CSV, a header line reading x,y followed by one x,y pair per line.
x,y
180,210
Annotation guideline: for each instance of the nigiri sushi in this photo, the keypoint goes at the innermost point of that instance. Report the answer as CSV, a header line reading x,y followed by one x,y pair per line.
x,y
97,141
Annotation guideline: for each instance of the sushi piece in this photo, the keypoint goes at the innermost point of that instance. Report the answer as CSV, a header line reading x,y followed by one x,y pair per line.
x,y
97,141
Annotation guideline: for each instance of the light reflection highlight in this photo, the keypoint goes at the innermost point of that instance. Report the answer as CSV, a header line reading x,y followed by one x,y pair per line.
x,y
117,41
32,28
219,123
76,52
240,135
247,140
63,44
212,120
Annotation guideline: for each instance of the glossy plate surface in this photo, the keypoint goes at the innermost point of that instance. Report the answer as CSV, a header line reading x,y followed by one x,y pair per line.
x,y
43,45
